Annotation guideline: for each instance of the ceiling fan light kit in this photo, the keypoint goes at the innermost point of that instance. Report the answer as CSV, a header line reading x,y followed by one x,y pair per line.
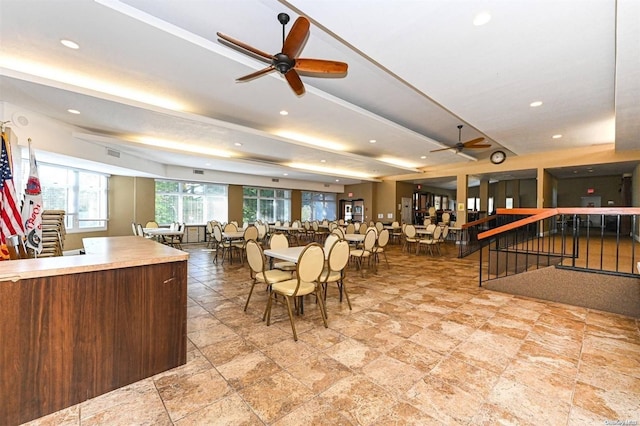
x,y
286,61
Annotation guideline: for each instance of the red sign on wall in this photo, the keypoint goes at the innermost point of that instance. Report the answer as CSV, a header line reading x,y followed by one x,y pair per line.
x,y
590,191
350,195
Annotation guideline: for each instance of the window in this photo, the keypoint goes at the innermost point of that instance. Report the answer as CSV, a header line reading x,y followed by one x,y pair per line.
x,y
266,204
83,195
190,202
318,206
473,203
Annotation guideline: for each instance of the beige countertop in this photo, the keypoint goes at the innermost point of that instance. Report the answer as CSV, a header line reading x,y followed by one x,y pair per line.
x,y
102,253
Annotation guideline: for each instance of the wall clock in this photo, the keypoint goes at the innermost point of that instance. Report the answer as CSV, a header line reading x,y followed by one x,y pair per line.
x,y
498,157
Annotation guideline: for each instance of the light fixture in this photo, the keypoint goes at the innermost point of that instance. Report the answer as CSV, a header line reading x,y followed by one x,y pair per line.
x,y
73,111
181,146
237,144
481,18
70,44
309,140
397,162
372,141
556,136
337,180
329,170
422,157
283,112
86,81
285,174
535,104
323,161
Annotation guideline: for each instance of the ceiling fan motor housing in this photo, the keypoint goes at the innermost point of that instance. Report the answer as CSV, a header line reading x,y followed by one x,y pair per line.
x,y
283,63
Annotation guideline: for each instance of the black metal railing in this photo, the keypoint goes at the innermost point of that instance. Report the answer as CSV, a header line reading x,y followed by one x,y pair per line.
x,y
594,240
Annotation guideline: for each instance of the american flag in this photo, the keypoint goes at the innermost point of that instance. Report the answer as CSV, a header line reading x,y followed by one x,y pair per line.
x,y
10,219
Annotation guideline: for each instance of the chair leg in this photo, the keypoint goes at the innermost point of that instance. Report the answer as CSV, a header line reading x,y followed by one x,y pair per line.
x,y
293,326
267,310
342,288
323,313
253,284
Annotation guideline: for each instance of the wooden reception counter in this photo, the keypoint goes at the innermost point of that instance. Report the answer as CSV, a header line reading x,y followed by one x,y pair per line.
x,y
75,327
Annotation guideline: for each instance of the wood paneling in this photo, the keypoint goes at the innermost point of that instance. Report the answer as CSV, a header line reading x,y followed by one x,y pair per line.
x,y
69,338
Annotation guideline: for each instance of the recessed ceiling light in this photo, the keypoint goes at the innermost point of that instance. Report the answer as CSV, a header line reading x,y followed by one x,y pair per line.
x,y
207,164
237,144
73,111
283,112
323,161
481,18
337,180
535,104
423,157
285,174
70,44
372,141
556,136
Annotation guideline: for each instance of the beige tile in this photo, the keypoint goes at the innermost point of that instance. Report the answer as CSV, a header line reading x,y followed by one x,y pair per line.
x,y
468,377
352,353
358,399
611,404
187,394
231,410
274,396
245,370
314,413
319,372
528,404
393,375
424,359
443,401
227,349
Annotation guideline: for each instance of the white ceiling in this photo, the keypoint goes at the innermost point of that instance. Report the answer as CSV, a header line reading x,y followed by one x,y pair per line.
x,y
417,69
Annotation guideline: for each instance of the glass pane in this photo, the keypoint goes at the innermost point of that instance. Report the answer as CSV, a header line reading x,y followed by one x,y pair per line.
x,y
192,210
192,188
249,191
267,193
250,210
166,208
267,212
166,186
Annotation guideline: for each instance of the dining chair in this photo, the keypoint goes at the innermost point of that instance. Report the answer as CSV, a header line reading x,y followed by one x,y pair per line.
x,y
381,243
152,224
280,241
329,241
175,241
309,268
258,269
350,229
339,232
230,227
409,237
222,246
134,228
379,226
363,228
335,269
360,254
431,241
250,233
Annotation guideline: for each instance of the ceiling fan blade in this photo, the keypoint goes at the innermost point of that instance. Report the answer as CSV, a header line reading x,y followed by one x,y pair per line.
x,y
320,66
473,143
294,81
443,149
256,74
296,37
245,46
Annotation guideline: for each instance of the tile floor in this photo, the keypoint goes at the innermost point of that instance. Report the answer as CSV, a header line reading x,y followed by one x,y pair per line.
x,y
423,345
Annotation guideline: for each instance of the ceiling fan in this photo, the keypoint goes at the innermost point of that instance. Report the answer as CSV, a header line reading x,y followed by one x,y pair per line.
x,y
472,144
286,61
